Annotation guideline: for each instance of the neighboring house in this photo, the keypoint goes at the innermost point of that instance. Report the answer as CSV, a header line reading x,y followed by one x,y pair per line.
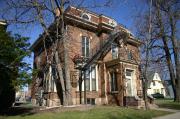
x,y
113,68
20,96
155,84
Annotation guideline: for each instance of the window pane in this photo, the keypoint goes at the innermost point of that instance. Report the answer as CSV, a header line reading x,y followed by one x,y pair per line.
x,y
87,51
93,72
112,85
93,84
87,47
88,101
93,76
88,80
85,16
114,51
130,55
113,81
93,101
83,46
129,87
87,84
128,72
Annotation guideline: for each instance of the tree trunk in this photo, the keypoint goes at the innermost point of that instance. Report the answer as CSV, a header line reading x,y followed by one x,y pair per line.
x,y
66,56
60,72
167,52
145,94
176,57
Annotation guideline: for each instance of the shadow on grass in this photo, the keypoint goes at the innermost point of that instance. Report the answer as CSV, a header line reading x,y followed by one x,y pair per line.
x,y
168,103
14,111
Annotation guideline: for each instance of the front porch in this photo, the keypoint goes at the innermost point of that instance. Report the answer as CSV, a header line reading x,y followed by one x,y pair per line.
x,y
122,82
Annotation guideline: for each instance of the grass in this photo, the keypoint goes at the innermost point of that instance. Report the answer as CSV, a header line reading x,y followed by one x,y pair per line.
x,y
103,112
167,103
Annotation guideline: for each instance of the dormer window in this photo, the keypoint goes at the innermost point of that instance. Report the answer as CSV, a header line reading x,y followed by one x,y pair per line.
x,y
86,16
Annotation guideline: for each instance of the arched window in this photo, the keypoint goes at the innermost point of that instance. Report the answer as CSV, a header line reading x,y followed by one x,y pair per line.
x,y
85,16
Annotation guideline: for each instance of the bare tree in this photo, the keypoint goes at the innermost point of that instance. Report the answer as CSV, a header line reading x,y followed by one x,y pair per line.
x,y
164,48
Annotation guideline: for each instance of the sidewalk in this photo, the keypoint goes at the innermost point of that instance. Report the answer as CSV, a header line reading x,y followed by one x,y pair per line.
x,y
175,115
170,116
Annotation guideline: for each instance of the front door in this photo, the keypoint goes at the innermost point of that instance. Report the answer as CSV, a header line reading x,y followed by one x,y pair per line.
x,y
130,86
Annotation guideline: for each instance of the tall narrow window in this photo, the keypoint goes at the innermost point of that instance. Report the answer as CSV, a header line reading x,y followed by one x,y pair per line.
x,y
130,57
113,81
88,80
93,77
85,46
114,51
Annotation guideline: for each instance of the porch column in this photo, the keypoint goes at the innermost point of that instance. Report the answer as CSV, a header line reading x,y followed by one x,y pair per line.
x,y
120,75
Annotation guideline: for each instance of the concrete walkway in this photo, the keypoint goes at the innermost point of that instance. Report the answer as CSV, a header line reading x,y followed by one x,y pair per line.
x,y
170,116
175,115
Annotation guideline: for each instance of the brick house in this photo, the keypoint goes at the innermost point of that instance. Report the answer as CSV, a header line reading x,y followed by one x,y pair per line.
x,y
112,74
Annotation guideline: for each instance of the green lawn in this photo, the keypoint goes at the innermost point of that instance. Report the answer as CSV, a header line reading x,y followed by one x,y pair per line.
x,y
167,103
102,112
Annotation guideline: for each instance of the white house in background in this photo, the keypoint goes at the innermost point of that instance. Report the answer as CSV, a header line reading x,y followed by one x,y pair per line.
x,y
155,84
20,96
